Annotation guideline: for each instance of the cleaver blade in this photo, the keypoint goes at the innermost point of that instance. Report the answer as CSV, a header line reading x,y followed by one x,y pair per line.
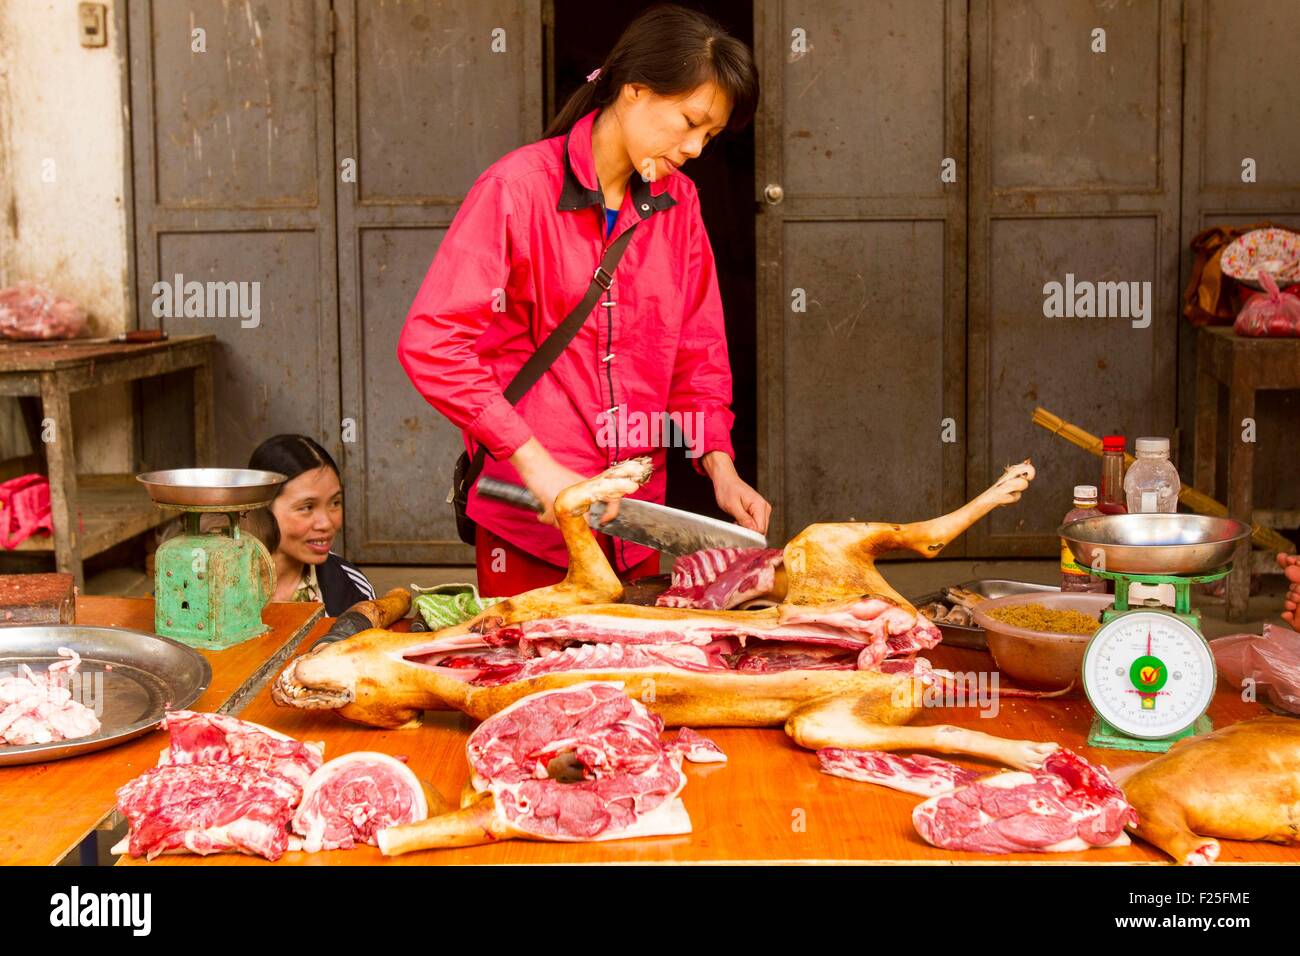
x,y
665,529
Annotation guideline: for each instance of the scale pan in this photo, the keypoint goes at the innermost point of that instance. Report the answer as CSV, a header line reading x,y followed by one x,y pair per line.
x,y
210,488
1154,543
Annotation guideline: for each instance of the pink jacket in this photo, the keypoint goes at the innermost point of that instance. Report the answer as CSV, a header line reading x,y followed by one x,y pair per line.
x,y
518,256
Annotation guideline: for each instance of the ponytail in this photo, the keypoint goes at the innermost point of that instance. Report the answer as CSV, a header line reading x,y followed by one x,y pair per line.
x,y
672,51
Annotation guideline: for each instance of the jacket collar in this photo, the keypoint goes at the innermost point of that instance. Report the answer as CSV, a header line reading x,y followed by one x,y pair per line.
x,y
580,170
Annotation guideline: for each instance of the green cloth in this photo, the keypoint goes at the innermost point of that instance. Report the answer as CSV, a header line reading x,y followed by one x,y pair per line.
x,y
446,605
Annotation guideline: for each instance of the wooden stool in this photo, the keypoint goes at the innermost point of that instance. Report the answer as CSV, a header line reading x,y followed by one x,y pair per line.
x,y
1243,366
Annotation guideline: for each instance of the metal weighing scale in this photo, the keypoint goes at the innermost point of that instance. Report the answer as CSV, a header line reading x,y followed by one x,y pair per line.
x,y
210,587
1148,671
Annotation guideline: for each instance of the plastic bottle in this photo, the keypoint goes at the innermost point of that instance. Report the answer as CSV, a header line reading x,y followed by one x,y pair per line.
x,y
1112,476
1085,506
1152,483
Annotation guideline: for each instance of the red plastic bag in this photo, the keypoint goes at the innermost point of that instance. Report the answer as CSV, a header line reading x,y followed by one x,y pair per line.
x,y
1271,313
1268,666
28,311
24,509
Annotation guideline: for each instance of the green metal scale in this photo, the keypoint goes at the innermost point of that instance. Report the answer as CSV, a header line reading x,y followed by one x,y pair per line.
x,y
1148,671
210,586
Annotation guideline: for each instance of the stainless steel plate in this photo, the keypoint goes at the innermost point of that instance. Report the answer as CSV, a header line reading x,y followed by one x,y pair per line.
x,y
1154,543
129,678
242,488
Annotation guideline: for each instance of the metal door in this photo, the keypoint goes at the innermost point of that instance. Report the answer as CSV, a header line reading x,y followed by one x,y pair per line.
x,y
1074,171
861,395
429,95
233,180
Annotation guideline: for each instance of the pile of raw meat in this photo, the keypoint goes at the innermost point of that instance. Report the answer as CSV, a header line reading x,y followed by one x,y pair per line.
x,y
39,709
584,763
225,784
1067,805
28,311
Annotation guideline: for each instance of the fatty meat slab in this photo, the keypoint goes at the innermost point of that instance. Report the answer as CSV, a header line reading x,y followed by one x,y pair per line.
x,y
349,799
39,709
581,763
1067,805
222,784
839,632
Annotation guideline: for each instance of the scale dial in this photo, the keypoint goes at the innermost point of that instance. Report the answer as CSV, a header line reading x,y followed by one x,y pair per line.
x,y
1148,674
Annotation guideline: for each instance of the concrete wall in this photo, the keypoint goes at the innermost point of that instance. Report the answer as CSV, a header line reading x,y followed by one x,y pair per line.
x,y
62,117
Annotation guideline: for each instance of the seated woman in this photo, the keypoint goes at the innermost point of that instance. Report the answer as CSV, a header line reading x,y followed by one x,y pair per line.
x,y
300,525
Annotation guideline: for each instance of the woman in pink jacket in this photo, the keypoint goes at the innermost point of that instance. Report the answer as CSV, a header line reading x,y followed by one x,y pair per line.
x,y
521,254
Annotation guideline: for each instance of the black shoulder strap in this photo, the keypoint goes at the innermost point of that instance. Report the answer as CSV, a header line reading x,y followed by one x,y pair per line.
x,y
559,339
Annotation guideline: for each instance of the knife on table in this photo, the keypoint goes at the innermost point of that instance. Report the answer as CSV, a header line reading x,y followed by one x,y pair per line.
x,y
665,529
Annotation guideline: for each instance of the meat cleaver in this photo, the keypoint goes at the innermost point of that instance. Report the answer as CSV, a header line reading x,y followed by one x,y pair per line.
x,y
665,529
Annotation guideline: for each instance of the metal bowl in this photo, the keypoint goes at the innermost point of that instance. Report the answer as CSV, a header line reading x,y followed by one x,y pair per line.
x,y
1154,543
242,488
1045,659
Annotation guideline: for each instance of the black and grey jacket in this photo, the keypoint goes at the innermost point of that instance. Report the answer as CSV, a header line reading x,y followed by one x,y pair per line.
x,y
341,585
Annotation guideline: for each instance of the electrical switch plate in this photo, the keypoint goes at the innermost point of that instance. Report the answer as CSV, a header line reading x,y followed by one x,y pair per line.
x,y
92,24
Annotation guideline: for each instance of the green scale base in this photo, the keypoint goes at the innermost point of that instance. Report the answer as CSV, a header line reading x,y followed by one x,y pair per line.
x,y
1106,737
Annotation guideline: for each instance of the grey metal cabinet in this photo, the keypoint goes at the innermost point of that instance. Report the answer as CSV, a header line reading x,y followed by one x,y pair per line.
x,y
429,95
862,103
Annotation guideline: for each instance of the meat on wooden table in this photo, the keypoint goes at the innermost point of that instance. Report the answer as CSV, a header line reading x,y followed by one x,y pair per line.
x,y
839,633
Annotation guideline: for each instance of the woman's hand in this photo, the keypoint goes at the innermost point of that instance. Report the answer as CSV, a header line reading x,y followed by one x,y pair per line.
x,y
543,475
734,495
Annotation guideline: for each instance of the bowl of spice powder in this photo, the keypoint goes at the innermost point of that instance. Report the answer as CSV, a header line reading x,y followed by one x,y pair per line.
x,y
1039,639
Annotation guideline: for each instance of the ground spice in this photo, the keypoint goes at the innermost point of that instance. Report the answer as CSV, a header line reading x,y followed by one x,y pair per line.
x,y
1036,617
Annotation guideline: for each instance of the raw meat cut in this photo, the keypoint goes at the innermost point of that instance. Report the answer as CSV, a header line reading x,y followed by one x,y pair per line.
x,y
208,808
697,748
215,738
351,798
1241,782
1067,805
28,311
39,709
582,763
838,626
918,774
222,784
720,578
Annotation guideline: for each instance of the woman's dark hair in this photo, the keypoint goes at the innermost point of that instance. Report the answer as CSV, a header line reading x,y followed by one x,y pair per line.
x,y
290,455
671,50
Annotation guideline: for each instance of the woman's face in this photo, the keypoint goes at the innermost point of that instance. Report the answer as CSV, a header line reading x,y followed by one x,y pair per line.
x,y
662,133
309,511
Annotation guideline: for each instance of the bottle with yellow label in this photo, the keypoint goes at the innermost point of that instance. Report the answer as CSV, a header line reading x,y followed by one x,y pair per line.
x,y
1080,582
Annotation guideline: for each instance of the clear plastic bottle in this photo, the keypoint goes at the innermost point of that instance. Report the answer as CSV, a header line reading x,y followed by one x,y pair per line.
x,y
1080,582
1112,476
1152,483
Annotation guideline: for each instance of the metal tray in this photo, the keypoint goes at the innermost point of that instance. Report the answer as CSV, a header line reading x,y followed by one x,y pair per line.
x,y
129,678
240,489
1184,544
974,637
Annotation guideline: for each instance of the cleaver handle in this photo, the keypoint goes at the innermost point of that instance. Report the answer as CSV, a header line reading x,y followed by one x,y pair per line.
x,y
511,494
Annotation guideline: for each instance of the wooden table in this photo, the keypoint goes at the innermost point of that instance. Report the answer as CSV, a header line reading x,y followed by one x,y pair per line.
x,y
47,809
112,508
1244,366
768,804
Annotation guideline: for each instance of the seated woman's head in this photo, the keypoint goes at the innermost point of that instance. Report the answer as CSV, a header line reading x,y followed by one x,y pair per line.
x,y
308,511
